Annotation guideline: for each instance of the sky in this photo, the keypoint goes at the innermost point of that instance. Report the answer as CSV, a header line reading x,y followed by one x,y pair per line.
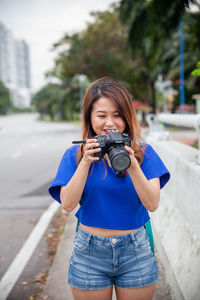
x,y
43,22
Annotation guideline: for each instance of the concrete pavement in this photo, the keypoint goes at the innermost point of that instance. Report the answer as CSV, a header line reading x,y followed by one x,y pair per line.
x,y
57,287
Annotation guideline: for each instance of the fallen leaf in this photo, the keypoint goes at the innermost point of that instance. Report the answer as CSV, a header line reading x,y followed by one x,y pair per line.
x,y
3,258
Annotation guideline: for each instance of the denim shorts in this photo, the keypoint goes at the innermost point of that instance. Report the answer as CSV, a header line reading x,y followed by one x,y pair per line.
x,y
125,261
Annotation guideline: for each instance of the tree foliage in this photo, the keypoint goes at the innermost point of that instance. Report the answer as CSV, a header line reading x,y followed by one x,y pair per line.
x,y
4,99
154,18
100,50
153,36
61,101
135,52
46,100
196,72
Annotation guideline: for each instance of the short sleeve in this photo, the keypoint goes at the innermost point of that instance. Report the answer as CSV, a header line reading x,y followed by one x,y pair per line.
x,y
65,172
153,166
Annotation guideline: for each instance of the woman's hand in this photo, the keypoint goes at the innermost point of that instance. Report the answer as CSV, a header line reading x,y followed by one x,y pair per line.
x,y
130,151
91,147
70,193
134,162
148,190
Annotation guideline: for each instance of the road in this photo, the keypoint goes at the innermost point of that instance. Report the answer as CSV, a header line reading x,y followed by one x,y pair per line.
x,y
30,153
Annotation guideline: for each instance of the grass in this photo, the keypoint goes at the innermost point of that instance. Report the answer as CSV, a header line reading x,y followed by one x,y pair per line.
x,y
56,120
196,145
175,128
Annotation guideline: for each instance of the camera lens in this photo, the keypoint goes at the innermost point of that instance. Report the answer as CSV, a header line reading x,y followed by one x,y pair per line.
x,y
119,159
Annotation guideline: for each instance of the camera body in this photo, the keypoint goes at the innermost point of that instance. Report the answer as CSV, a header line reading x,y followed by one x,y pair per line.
x,y
113,144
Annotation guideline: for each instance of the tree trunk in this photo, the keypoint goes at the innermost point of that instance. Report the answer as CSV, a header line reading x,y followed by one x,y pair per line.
x,y
153,96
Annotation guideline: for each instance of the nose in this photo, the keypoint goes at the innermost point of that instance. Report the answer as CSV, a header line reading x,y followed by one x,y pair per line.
x,y
109,122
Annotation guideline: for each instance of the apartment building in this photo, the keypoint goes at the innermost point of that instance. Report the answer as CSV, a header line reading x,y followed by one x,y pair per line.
x,y
15,68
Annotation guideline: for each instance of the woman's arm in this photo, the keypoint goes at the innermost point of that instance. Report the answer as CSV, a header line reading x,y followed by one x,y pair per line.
x,y
70,194
148,190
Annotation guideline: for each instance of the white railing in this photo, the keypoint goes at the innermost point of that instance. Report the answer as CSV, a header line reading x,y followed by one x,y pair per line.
x,y
186,120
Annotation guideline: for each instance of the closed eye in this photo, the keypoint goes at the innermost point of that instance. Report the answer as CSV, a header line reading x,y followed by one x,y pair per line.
x,y
101,116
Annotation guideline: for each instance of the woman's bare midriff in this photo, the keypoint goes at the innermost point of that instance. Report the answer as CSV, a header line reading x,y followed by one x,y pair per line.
x,y
105,232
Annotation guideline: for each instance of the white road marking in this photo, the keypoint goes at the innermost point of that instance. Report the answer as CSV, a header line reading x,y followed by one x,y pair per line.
x,y
17,266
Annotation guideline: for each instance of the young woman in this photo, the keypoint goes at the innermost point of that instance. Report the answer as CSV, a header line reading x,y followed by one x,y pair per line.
x,y
111,246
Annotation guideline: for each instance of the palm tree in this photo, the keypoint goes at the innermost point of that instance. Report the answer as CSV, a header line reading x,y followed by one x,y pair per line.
x,y
148,17
151,23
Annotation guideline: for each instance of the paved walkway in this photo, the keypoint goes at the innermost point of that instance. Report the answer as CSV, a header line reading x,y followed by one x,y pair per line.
x,y
188,137
57,288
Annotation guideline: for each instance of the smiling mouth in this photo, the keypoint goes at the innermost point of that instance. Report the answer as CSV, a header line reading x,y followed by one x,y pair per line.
x,y
106,131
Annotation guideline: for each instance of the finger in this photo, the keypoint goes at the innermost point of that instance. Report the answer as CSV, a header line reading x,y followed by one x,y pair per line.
x,y
129,150
94,158
94,150
89,141
91,145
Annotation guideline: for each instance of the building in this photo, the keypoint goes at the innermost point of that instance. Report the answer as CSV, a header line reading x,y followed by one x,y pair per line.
x,y
15,68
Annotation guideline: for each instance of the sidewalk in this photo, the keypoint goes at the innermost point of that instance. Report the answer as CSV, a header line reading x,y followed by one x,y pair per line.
x,y
188,137
56,286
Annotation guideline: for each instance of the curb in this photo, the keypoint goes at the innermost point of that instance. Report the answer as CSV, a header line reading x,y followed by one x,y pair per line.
x,y
56,287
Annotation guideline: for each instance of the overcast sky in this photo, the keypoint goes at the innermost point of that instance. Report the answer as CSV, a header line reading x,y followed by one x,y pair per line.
x,y
43,22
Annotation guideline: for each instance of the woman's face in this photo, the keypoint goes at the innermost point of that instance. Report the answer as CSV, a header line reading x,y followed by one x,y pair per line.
x,y
105,117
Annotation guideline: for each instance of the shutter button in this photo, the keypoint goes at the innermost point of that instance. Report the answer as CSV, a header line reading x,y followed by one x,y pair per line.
x,y
114,241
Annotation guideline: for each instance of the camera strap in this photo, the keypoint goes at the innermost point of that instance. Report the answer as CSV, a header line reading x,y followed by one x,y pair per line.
x,y
121,174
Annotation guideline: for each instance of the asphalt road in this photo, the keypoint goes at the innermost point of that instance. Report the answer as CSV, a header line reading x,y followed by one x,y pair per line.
x,y
30,152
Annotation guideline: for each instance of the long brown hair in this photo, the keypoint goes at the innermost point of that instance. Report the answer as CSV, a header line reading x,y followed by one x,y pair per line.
x,y
115,91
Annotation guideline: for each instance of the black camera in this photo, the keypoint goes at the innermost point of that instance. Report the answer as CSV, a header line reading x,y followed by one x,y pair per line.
x,y
113,144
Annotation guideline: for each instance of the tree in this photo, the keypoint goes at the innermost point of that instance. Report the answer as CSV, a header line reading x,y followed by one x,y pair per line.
x,y
47,100
151,24
101,50
4,99
61,101
71,106
170,57
148,17
196,72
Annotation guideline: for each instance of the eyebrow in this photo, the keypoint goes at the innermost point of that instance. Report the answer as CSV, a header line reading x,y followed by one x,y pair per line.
x,y
103,111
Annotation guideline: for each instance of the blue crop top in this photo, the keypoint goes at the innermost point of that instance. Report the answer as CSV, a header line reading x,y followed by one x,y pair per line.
x,y
109,201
